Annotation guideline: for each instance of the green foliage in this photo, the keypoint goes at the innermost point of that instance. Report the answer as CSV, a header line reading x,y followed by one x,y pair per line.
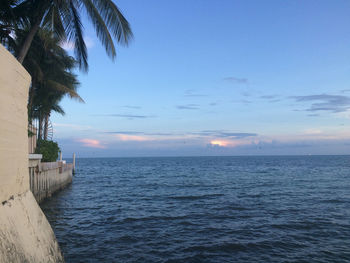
x,y
52,78
30,133
63,19
49,150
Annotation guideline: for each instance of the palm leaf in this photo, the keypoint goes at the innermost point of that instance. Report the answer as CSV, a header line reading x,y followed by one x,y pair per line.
x,y
115,20
100,28
74,29
64,89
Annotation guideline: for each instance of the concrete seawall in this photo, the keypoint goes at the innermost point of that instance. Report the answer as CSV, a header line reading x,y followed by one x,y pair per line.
x,y
25,234
47,178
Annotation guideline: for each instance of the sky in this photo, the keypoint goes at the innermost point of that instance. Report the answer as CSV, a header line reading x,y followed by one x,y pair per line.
x,y
207,78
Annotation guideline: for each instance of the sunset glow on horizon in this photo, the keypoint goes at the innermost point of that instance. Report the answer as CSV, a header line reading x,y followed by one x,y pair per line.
x,y
92,143
220,143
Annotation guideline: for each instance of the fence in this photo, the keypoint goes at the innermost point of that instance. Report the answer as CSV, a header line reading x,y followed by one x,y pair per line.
x,y
47,178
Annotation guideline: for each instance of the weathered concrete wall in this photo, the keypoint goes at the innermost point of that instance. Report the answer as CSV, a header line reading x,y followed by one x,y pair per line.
x,y
25,234
14,84
48,178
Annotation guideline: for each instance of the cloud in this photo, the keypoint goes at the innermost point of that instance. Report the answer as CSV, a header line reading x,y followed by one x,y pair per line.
x,y
276,100
89,42
271,98
246,94
325,102
135,138
219,143
140,133
132,107
72,126
127,116
219,138
124,132
229,143
268,97
225,134
188,107
160,134
208,134
314,140
139,136
69,45
91,143
312,132
236,80
192,93
244,101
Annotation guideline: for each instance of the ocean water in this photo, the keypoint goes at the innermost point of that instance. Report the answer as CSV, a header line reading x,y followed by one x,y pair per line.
x,y
205,209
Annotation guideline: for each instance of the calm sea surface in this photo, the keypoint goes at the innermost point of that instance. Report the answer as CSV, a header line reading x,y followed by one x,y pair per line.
x,y
205,209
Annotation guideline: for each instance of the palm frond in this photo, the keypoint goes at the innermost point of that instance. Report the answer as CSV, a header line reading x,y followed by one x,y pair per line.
x,y
115,20
100,28
75,33
64,90
57,108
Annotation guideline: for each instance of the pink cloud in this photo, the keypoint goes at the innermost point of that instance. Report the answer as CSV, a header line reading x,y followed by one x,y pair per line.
x,y
221,143
231,143
92,143
137,138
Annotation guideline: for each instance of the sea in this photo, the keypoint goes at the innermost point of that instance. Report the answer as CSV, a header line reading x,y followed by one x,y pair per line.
x,y
205,209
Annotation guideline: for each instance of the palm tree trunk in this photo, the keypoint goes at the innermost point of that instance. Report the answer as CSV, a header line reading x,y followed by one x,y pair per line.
x,y
30,101
40,132
46,126
28,41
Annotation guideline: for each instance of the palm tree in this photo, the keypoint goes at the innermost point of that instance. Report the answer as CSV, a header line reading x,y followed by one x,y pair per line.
x,y
11,17
49,65
44,104
63,18
52,78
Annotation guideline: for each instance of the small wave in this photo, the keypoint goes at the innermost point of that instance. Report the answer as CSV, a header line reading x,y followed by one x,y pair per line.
x,y
187,223
333,201
195,197
297,226
230,207
228,247
128,239
243,247
151,218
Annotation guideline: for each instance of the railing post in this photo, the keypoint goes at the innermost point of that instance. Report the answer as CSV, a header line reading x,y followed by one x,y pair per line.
x,y
73,163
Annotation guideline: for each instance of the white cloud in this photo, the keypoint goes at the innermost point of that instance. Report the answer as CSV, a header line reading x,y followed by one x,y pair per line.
x,y
312,131
89,42
72,126
69,45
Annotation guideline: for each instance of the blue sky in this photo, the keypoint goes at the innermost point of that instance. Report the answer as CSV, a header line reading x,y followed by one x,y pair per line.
x,y
216,78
